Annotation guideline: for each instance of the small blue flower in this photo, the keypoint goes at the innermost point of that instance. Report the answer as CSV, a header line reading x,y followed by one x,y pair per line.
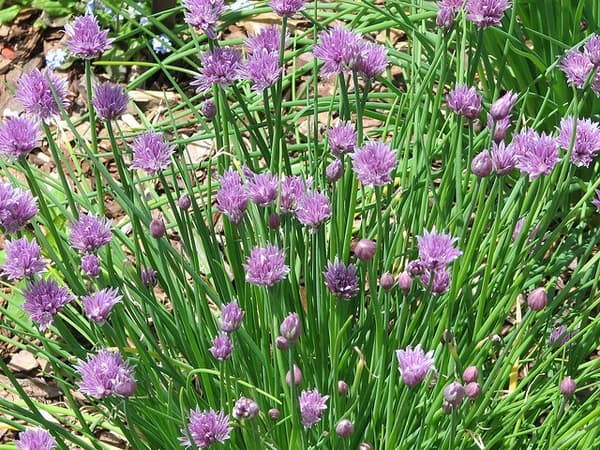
x,y
55,58
162,45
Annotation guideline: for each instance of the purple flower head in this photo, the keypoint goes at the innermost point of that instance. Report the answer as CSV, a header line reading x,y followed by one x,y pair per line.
x,y
373,163
577,67
43,299
104,374
586,143
538,156
232,198
17,207
34,92
18,136
481,165
287,8
436,251
266,266
486,13
334,170
414,364
340,49
209,109
454,394
203,14
23,259
500,109
568,386
262,188
222,347
372,62
452,5
560,336
85,38
344,428
151,153
99,305
447,12
35,440
291,327
341,280
261,69
500,127
148,276
365,249
245,408
441,280
90,264
592,50
464,101
110,100
205,428
342,139
313,209
415,268
312,406
90,232
504,159
292,188
219,66
268,39
231,317
596,201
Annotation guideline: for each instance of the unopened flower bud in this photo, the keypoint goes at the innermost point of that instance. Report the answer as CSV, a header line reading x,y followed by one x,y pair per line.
x,y
274,414
387,281
365,446
342,388
470,374
282,343
274,221
454,393
184,202
415,268
538,299
334,170
209,109
481,165
567,386
157,228
245,408
148,275
404,281
344,428
297,376
291,327
365,249
500,109
472,390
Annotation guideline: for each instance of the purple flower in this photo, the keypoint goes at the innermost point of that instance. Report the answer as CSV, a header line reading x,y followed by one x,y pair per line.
x,y
34,92
205,428
222,347
231,317
148,276
448,9
372,62
342,139
539,156
292,188
22,259
209,109
436,251
99,305
414,364
340,49
262,188
203,14
313,209
245,408
90,264
577,67
560,336
454,394
110,100
44,299
504,159
341,280
500,128
35,440
500,109
268,39
17,207
219,66
151,153
464,101
596,201
373,163
18,136
266,266
90,232
481,164
592,50
312,406
586,143
334,170
291,327
287,8
486,13
261,69
441,280
85,38
232,198
104,374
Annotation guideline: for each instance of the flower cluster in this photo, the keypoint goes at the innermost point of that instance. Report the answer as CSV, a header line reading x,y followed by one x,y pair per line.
x,y
536,154
312,406
584,136
374,163
205,428
35,440
90,232
266,266
582,68
110,100
151,153
204,14
23,259
85,38
341,279
486,13
232,197
44,299
219,66
36,91
104,374
18,136
98,306
414,364
464,101
17,208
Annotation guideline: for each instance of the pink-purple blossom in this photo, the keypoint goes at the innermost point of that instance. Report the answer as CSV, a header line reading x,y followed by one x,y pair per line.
x,y
262,188
342,139
341,279
287,8
232,197
486,13
222,347
312,209
414,364
312,406
151,153
90,265
504,159
586,143
340,49
437,250
440,283
262,69
373,163
204,15
231,317
44,299
577,67
592,49
501,108
85,38
372,62
464,101
267,39
245,408
18,136
205,428
104,374
266,266
34,92
110,100
17,207
35,439
291,189
219,66
90,232
98,306
538,155
23,259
